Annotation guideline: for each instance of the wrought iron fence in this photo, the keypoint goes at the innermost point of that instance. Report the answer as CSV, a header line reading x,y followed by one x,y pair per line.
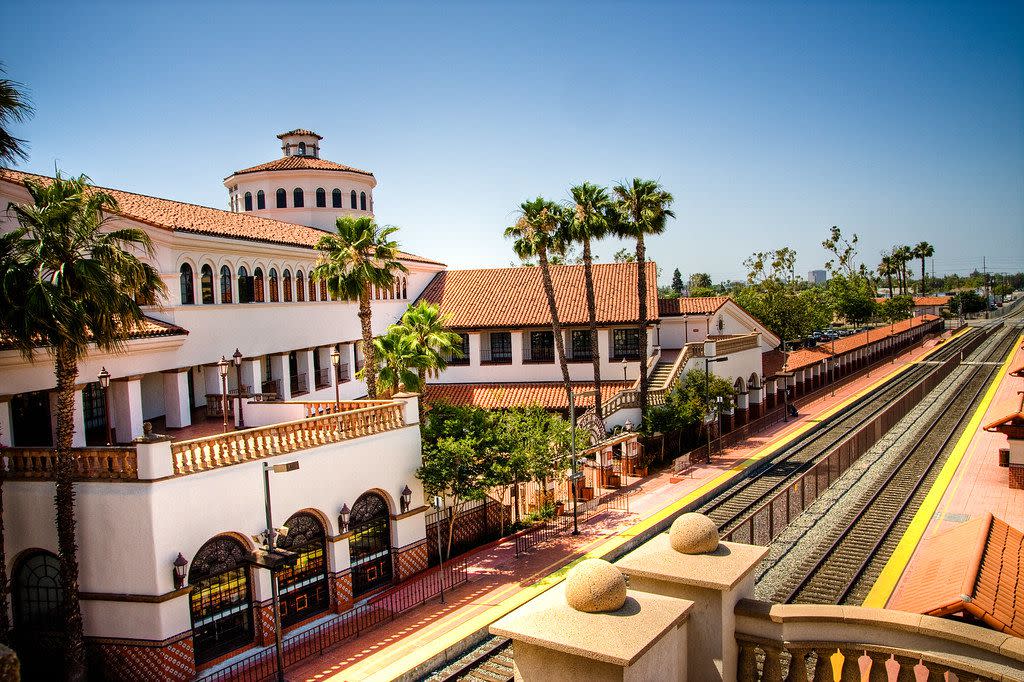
x,y
299,384
474,526
314,641
562,524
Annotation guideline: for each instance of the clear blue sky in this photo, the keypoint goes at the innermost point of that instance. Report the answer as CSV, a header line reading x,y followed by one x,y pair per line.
x,y
897,121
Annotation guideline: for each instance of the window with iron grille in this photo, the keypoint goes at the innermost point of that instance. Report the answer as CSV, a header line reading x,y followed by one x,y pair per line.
x,y
206,284
582,348
370,543
542,346
303,586
462,359
626,343
501,347
221,599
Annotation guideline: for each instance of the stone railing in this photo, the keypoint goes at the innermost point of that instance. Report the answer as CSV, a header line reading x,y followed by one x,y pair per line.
x,y
203,454
735,344
88,464
798,642
630,397
315,408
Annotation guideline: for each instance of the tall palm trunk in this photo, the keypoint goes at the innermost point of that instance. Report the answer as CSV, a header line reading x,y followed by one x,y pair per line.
x,y
922,276
556,326
365,319
888,276
641,285
5,623
588,278
66,367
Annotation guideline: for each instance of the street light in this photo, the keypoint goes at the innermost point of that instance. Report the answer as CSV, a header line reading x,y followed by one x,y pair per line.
x,y
707,392
237,357
275,558
575,476
104,377
222,368
336,363
343,515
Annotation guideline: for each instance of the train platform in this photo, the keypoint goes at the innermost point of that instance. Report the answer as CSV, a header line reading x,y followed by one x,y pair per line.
x,y
970,485
499,581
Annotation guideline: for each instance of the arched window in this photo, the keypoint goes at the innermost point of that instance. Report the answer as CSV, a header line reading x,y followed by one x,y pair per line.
x,y
244,286
370,543
323,290
321,198
274,295
282,198
297,200
302,149
248,201
362,201
221,599
258,294
352,199
225,284
206,284
336,198
37,598
261,200
300,286
303,586
287,286
188,289
312,288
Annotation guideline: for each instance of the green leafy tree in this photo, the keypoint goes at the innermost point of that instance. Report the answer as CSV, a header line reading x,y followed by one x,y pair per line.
x,y
536,234
667,292
852,297
687,403
896,308
69,282
677,282
700,280
588,218
643,208
774,296
624,255
922,251
14,108
967,302
360,256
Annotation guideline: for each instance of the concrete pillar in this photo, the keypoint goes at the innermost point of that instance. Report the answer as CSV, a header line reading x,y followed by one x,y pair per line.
x,y
126,407
517,348
6,417
304,365
713,581
176,403
279,371
252,374
474,349
78,439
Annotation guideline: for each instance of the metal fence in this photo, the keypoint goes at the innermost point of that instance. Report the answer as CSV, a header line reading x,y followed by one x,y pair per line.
x,y
313,641
476,525
562,524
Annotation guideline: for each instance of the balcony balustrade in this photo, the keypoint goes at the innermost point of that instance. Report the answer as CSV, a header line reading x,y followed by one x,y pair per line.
x,y
489,356
88,464
344,373
299,384
323,377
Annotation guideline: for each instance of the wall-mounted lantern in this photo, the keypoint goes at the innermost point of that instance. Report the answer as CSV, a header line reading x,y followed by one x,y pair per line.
x,y
343,515
406,499
179,571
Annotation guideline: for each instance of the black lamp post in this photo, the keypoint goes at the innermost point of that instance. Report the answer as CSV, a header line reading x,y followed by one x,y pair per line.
x,y
336,363
284,557
222,368
104,377
406,499
707,392
179,571
343,515
237,357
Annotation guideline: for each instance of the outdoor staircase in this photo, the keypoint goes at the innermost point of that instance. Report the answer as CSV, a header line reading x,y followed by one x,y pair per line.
x,y
663,373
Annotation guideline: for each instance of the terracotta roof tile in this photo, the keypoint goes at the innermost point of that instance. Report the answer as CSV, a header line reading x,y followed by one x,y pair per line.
x,y
550,395
299,131
286,163
973,568
147,329
924,300
772,362
514,297
808,356
179,216
805,357
690,305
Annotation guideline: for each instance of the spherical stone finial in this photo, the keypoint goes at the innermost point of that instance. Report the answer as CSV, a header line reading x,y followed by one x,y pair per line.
x,y
693,533
594,585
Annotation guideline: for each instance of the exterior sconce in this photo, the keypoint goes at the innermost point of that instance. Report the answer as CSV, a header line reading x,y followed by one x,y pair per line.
x,y
104,377
406,499
179,571
343,514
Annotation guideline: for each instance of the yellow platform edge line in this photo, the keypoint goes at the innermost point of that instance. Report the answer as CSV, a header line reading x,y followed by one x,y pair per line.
x,y
890,576
463,630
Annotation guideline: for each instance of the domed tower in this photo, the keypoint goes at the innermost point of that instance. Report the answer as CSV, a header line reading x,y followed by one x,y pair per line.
x,y
300,187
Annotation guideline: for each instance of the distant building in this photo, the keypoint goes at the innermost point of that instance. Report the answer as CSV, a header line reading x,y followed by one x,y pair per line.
x,y
817,276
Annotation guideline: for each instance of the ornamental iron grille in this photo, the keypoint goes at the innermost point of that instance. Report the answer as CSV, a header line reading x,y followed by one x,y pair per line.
x,y
542,346
304,586
38,602
501,347
582,348
370,543
221,598
626,343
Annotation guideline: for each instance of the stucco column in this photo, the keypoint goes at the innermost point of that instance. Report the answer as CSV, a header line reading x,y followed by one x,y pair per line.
x,y
304,365
474,349
176,403
279,371
517,348
5,419
126,407
252,374
78,439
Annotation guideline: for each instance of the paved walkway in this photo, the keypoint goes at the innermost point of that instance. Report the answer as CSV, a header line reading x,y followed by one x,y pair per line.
x,y
499,581
973,485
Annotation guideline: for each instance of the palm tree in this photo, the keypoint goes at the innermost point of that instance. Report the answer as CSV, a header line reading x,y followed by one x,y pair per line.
x,y
923,250
589,218
70,282
433,342
536,235
400,362
14,107
903,255
643,209
360,256
887,267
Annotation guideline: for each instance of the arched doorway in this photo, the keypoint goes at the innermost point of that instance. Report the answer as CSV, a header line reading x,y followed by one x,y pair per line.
x,y
304,590
370,543
221,598
37,598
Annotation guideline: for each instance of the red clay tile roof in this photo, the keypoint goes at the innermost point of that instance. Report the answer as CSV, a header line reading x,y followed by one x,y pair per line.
x,y
182,217
514,297
147,329
550,395
772,362
299,131
925,300
287,163
975,568
805,357
808,356
690,305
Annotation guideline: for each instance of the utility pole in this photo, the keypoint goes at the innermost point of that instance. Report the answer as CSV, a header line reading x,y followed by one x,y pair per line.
x,y
984,274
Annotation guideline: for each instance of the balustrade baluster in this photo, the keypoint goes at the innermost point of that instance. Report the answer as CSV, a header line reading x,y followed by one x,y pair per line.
x,y
797,664
907,665
772,669
851,666
747,662
823,671
878,672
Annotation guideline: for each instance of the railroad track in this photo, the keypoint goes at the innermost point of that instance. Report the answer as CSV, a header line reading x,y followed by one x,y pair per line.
x,y
731,507
843,571
489,661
